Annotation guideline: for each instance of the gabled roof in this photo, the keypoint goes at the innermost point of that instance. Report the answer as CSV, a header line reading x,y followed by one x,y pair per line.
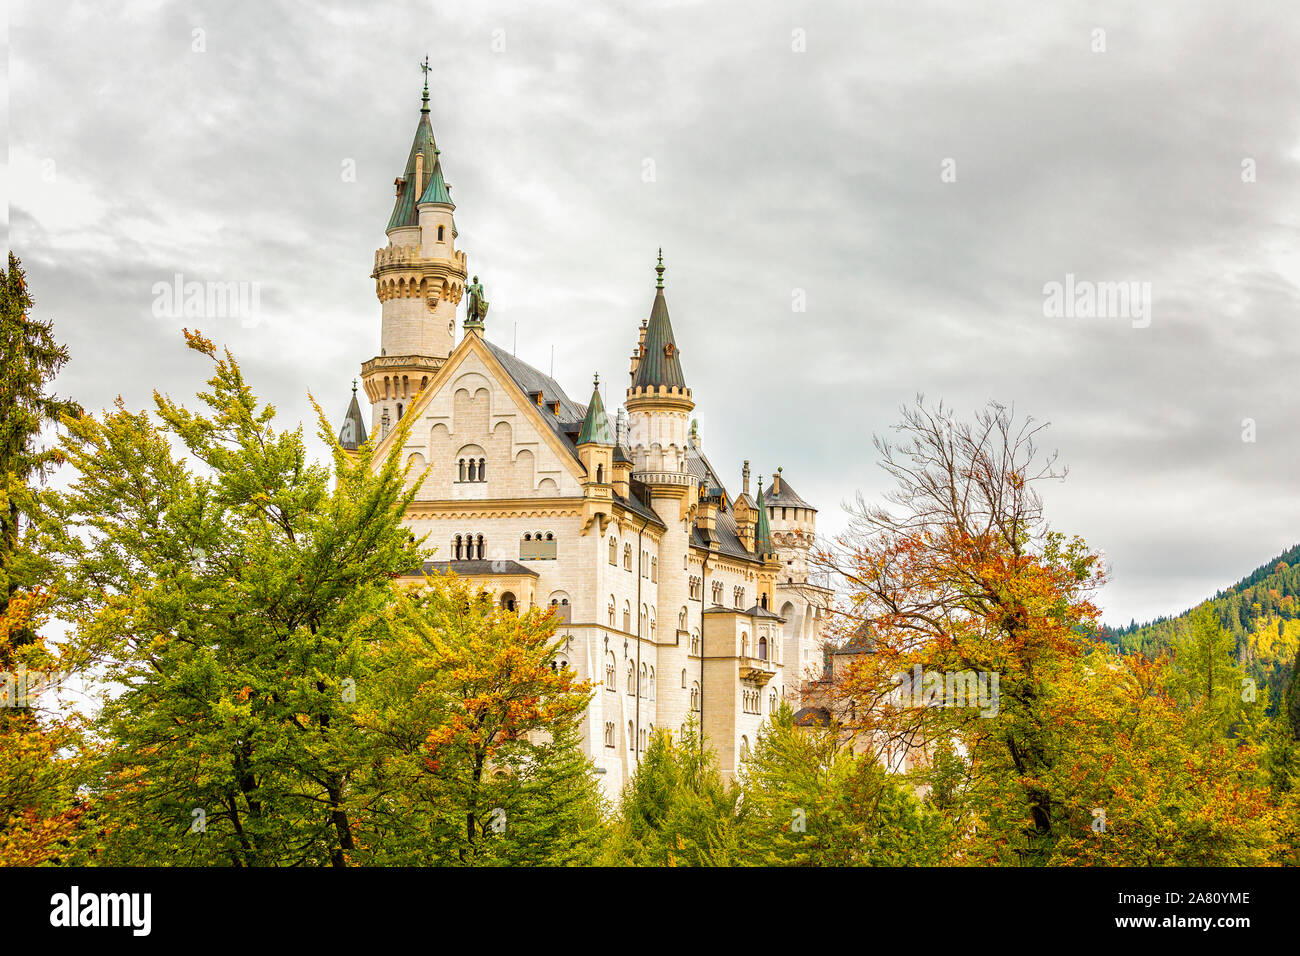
x,y
352,433
660,361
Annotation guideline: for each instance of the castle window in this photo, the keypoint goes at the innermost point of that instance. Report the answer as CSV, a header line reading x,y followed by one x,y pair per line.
x,y
609,733
609,671
681,620
611,610
631,737
631,680
695,695
654,569
683,678
399,411
744,644
782,514
771,702
508,601
482,469
645,564
440,228
627,557
600,474
613,552
535,547
460,474
744,747
695,643
480,547
456,549
652,683
627,616
762,648
645,684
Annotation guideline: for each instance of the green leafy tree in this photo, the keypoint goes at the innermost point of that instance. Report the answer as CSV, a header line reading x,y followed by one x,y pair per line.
x,y
225,602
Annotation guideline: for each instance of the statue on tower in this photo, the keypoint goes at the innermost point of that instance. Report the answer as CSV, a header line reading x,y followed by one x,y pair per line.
x,y
477,306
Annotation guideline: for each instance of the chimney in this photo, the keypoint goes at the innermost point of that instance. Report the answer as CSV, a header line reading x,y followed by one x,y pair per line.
x,y
776,482
744,477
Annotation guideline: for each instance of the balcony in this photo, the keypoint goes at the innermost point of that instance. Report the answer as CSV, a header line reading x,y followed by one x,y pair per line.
x,y
756,669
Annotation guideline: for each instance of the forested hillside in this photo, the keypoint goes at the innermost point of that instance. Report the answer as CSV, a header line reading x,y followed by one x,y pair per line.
x,y
1262,611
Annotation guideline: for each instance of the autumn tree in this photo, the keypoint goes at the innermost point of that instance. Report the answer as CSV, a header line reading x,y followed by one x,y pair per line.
x,y
480,754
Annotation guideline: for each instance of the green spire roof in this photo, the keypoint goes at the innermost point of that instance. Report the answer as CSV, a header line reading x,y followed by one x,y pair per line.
x,y
595,427
409,192
763,532
437,188
660,361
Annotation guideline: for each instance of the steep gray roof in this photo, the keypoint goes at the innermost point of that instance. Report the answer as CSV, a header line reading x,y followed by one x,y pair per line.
x,y
787,497
728,539
352,432
566,423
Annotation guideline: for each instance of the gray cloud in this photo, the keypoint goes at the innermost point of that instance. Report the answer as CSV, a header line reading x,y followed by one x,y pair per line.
x,y
135,158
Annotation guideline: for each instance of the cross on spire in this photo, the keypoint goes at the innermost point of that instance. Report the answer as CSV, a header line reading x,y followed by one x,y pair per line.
x,y
424,68
660,269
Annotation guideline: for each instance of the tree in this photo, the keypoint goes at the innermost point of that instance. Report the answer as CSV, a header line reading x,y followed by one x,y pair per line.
x,y
480,760
30,358
960,574
807,800
227,605
675,810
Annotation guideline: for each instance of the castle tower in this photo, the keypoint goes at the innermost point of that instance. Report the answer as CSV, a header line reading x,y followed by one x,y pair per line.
x,y
658,402
794,528
419,279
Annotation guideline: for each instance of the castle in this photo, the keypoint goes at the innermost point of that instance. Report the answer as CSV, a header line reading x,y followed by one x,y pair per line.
x,y
676,597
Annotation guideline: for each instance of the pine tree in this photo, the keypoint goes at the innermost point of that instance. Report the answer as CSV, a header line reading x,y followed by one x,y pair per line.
x,y
30,358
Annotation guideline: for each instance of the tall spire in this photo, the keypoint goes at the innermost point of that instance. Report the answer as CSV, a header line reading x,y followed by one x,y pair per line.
x,y
763,530
595,426
421,165
660,362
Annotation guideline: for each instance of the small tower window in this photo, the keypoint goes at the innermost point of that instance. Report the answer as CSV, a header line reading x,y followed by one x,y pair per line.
x,y
440,228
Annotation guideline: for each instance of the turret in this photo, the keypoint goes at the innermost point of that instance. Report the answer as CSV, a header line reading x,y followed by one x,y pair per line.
x,y
419,279
658,402
794,528
352,433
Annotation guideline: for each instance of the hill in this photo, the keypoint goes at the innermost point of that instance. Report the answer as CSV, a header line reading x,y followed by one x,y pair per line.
x,y
1262,611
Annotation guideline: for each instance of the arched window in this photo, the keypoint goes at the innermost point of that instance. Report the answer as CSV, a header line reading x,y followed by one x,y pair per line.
x,y
473,470
609,733
652,684
762,648
771,701
480,547
654,569
764,600
627,557
399,411
600,474
645,683
744,747
613,550
508,601
609,671
681,620
440,228
457,548
695,643
631,680
653,624
645,620
744,644
461,472
695,695
482,469
683,678
631,736
611,610
627,616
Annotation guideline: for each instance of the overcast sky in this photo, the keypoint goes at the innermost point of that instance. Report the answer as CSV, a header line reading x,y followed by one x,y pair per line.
x,y
778,152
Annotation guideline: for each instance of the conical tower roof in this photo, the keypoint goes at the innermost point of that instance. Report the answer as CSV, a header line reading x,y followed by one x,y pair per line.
x,y
595,426
352,433
409,192
660,362
763,531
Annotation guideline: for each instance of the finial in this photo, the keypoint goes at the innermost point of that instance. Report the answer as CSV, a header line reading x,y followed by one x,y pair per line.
x,y
595,382
424,67
354,386
660,269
